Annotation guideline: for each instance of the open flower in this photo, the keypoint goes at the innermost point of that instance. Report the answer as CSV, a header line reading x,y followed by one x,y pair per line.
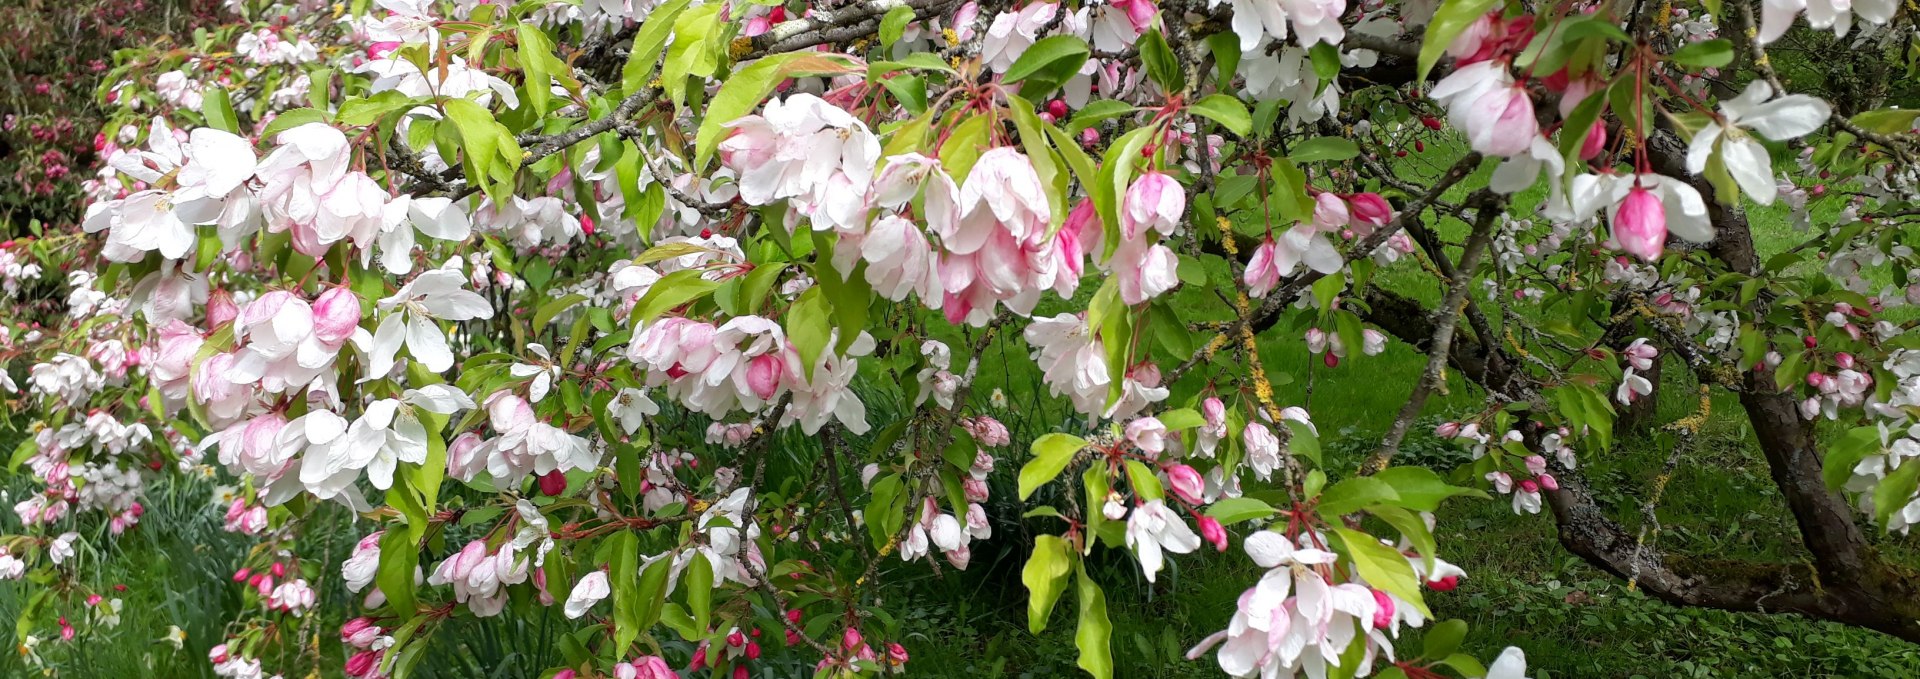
x,y
434,295
1485,103
1757,110
1152,529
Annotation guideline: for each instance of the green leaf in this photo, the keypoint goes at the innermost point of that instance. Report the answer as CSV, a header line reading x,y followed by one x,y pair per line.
x,y
963,147
1895,491
1146,484
1046,65
1236,509
1231,113
1093,636
1304,441
1095,485
911,91
1045,576
1352,495
1181,419
1887,121
537,62
894,24
292,119
1846,453
546,312
1705,54
670,292
924,61
1225,47
218,110
1444,639
622,567
491,153
690,54
647,45
1594,28
808,327
1097,111
1033,140
1383,567
399,557
21,452
1051,453
884,509
1324,148
1161,65
1449,20
1466,665
1413,528
745,89
1116,174
1420,489
700,590
1326,64
1580,124
847,297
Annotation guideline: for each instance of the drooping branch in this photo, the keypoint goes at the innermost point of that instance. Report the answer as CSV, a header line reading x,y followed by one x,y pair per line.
x,y
1441,344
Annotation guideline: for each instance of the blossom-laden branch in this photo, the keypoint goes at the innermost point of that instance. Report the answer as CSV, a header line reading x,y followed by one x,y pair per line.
x,y
488,279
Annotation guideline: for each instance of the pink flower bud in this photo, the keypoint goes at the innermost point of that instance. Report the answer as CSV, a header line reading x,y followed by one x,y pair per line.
x,y
794,614
763,375
220,309
1186,483
279,570
1214,533
1595,142
336,314
753,649
1640,225
1446,584
736,639
896,653
850,639
553,483
362,663
1447,430
1844,360
1154,202
1369,209
1548,482
1330,213
1383,610
1529,486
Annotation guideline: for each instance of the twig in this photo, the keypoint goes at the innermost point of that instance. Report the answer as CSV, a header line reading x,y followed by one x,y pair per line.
x,y
1448,316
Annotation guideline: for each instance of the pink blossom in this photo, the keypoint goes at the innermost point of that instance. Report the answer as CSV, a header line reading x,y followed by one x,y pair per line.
x,y
1186,483
1155,202
336,315
1214,533
763,375
1640,226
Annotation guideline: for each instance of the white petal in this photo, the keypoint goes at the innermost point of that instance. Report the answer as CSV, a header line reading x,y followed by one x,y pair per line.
x,y
1788,117
428,345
